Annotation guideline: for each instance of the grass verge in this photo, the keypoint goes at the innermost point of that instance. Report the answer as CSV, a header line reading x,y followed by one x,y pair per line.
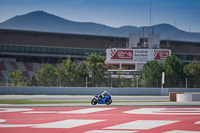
x,y
38,102
59,102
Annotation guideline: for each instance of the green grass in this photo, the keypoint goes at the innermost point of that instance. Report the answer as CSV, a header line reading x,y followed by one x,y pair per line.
x,y
136,101
59,102
38,102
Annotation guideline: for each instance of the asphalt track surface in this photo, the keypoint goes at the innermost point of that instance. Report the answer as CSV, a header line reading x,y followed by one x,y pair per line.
x,y
124,100
137,114
80,98
100,119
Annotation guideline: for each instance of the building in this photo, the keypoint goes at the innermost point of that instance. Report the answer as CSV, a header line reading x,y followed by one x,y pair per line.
x,y
26,50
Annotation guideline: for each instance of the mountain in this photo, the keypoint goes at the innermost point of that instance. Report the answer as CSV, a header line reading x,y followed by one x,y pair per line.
x,y
42,21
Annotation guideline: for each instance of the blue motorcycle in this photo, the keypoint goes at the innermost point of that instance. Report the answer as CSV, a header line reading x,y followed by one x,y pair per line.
x,y
102,100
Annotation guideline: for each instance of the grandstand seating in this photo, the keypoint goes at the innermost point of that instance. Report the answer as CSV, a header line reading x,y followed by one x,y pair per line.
x,y
14,64
28,66
21,66
1,75
28,69
36,66
6,74
9,66
2,66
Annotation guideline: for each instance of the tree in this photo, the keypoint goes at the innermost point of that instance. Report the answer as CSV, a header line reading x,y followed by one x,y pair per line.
x,y
192,71
150,74
173,68
66,72
17,78
95,65
46,75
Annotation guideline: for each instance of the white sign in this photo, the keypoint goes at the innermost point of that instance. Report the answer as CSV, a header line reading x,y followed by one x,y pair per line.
x,y
141,54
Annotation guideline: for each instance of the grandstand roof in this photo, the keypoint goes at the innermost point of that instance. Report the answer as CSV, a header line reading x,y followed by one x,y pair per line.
x,y
21,37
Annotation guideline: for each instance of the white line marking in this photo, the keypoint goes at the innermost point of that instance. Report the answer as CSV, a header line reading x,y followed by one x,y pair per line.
x,y
3,110
109,131
198,122
165,111
87,110
42,112
181,131
16,125
70,123
79,111
2,120
142,124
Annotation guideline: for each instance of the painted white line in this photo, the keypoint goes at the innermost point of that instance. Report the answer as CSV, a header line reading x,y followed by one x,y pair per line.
x,y
16,125
2,120
3,110
79,111
86,111
40,112
182,131
109,131
165,111
142,124
198,122
70,123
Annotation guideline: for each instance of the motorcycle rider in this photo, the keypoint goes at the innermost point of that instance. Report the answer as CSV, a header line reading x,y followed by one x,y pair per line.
x,y
102,95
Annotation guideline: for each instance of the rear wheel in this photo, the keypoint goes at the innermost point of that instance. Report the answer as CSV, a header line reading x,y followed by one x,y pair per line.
x,y
93,102
108,101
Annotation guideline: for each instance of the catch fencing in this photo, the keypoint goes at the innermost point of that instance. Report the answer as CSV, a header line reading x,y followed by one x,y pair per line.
x,y
107,82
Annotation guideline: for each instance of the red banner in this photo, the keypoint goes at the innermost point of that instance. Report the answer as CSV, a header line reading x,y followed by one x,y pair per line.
x,y
121,54
161,54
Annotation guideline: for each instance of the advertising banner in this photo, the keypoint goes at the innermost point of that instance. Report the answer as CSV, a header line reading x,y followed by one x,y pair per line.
x,y
121,54
137,54
161,54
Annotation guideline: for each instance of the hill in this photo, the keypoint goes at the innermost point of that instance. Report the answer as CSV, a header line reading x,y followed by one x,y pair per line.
x,y
42,21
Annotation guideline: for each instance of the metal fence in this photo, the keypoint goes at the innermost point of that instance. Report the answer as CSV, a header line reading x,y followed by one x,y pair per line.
x,y
109,82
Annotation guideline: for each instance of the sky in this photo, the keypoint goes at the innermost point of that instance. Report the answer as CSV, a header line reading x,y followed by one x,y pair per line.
x,y
183,14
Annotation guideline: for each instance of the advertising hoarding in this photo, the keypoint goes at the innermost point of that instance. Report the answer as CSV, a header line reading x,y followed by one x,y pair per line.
x,y
121,54
137,54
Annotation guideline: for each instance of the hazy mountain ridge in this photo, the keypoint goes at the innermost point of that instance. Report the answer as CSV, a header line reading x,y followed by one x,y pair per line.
x,y
42,21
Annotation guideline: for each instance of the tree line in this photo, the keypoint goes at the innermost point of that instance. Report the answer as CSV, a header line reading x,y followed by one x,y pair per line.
x,y
94,72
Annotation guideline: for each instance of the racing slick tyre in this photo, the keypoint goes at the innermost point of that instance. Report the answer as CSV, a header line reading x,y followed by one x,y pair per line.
x,y
94,102
108,101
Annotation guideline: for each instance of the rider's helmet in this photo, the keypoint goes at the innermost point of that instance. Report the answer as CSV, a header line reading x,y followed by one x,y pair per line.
x,y
105,93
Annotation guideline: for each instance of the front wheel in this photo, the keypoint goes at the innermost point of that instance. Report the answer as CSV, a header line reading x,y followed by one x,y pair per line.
x,y
94,102
108,101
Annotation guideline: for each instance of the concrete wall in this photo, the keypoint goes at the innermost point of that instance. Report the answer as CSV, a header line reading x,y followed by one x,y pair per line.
x,y
91,91
188,97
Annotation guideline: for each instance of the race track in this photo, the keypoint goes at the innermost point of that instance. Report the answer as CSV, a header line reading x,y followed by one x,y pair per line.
x,y
98,119
80,98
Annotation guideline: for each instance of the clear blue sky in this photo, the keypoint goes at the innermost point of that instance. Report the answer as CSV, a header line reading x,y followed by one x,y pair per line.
x,y
184,14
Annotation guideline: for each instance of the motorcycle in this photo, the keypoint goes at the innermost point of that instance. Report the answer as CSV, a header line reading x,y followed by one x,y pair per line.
x,y
103,100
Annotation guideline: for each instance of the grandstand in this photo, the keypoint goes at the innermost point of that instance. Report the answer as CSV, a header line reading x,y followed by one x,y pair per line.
x,y
26,50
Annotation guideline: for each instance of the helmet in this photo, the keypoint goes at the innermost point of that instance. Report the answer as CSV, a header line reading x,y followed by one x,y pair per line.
x,y
105,92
